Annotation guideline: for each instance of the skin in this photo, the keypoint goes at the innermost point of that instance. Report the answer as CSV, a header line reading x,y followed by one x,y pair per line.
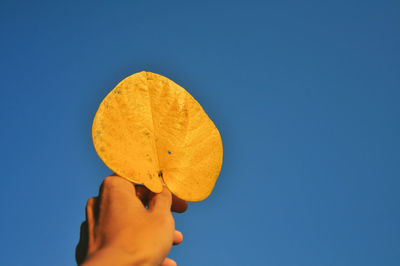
x,y
119,230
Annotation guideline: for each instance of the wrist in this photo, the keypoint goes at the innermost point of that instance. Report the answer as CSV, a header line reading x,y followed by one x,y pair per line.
x,y
117,257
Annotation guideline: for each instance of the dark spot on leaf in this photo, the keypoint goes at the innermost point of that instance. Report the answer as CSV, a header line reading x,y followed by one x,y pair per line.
x,y
160,174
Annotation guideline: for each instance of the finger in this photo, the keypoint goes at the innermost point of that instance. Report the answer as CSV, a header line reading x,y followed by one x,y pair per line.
x,y
168,262
161,202
178,237
82,247
92,212
178,205
143,193
115,183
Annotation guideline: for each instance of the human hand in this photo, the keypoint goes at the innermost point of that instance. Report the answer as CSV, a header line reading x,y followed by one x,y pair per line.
x,y
119,230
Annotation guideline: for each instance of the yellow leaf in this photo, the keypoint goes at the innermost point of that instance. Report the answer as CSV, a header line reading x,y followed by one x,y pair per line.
x,y
150,130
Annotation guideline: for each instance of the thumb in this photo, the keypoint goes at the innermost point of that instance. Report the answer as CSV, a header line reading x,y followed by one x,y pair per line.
x,y
161,202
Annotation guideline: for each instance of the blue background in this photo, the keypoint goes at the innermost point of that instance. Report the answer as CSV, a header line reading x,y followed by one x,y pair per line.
x,y
305,94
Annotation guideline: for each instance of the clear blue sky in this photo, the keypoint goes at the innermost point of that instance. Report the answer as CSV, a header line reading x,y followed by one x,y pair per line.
x,y
305,94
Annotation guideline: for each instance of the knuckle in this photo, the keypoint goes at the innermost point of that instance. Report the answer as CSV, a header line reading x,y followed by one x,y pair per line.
x,y
83,226
111,181
89,202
